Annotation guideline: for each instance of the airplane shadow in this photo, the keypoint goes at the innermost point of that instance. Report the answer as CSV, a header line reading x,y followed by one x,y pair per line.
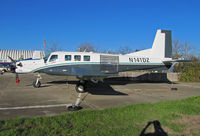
x,y
42,86
104,88
133,80
101,88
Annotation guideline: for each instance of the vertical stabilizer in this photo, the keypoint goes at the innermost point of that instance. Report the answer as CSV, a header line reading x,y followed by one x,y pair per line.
x,y
162,45
161,48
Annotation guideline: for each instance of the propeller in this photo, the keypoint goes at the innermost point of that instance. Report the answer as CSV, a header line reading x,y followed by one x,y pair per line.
x,y
12,69
12,65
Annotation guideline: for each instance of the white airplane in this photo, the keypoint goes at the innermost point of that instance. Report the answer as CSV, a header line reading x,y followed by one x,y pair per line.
x,y
97,66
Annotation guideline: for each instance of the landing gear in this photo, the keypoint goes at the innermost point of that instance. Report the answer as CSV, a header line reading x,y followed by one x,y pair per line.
x,y
76,106
37,83
81,86
80,89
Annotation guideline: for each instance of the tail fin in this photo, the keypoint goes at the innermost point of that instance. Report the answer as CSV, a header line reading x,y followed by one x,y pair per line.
x,y
162,46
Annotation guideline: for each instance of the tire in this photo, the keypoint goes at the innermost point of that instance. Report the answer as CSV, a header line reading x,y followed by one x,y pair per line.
x,y
80,88
36,85
74,108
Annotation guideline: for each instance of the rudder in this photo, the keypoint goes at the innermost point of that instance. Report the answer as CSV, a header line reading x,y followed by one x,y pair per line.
x,y
162,45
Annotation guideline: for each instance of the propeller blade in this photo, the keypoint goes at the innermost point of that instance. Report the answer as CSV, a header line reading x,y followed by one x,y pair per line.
x,y
12,65
14,61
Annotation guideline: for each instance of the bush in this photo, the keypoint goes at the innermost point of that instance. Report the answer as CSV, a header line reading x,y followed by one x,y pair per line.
x,y
190,71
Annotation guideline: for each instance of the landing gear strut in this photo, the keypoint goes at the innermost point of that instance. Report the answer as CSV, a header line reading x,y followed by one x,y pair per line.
x,y
37,83
80,89
76,106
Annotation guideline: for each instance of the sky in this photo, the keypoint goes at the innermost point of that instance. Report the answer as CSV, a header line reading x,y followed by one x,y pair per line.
x,y
107,24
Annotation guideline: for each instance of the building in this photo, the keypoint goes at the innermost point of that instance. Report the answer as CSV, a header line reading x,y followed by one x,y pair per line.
x,y
19,54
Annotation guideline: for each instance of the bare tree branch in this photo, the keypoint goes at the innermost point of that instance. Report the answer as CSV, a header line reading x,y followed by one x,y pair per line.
x,y
54,47
182,50
87,47
124,50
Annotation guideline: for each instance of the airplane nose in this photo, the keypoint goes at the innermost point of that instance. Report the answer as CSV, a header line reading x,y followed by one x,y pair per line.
x,y
16,69
18,66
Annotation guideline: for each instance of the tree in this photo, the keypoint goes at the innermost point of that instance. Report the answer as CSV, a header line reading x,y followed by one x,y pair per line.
x,y
182,50
186,51
137,50
125,50
87,47
52,48
176,49
108,51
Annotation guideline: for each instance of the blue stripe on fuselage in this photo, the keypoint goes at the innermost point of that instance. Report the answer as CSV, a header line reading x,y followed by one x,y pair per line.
x,y
5,64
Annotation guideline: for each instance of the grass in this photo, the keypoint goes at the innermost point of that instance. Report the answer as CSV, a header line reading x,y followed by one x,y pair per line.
x,y
124,121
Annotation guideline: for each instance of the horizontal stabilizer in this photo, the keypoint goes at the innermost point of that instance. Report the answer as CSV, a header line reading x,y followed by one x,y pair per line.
x,y
173,61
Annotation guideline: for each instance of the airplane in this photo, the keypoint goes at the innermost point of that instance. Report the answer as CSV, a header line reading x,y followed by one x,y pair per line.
x,y
6,66
90,66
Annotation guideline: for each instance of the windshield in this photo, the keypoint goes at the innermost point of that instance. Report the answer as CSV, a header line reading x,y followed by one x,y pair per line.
x,y
46,58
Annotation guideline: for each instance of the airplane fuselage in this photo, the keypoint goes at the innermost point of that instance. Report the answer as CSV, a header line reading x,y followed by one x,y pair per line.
x,y
89,64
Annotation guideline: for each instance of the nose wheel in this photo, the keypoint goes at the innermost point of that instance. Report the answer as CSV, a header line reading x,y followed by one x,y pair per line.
x,y
37,83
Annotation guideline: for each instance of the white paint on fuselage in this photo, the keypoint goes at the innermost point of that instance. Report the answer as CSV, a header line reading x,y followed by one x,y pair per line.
x,y
34,65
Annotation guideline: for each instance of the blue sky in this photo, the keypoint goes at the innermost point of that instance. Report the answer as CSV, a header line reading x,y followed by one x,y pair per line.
x,y
108,24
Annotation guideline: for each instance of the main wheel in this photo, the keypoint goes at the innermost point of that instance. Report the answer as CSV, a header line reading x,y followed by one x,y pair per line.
x,y
74,108
36,85
80,88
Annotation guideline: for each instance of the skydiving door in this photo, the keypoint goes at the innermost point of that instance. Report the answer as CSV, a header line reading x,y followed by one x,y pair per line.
x,y
109,64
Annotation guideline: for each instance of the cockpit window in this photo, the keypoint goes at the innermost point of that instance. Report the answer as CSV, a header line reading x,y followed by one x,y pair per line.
x,y
53,58
86,58
77,57
68,57
46,58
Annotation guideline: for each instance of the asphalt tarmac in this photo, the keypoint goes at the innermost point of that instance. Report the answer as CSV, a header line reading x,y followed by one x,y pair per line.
x,y
58,92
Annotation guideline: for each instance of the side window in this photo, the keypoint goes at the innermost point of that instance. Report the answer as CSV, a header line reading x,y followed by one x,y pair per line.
x,y
53,58
68,57
77,57
86,58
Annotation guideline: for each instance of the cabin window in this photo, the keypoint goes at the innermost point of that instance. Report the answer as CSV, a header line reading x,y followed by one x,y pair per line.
x,y
86,58
53,58
68,57
77,57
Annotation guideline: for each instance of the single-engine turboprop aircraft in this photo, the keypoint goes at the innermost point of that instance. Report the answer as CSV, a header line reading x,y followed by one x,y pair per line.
x,y
97,66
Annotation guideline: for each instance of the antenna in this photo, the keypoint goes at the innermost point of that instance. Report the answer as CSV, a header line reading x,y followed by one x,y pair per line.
x,y
44,43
